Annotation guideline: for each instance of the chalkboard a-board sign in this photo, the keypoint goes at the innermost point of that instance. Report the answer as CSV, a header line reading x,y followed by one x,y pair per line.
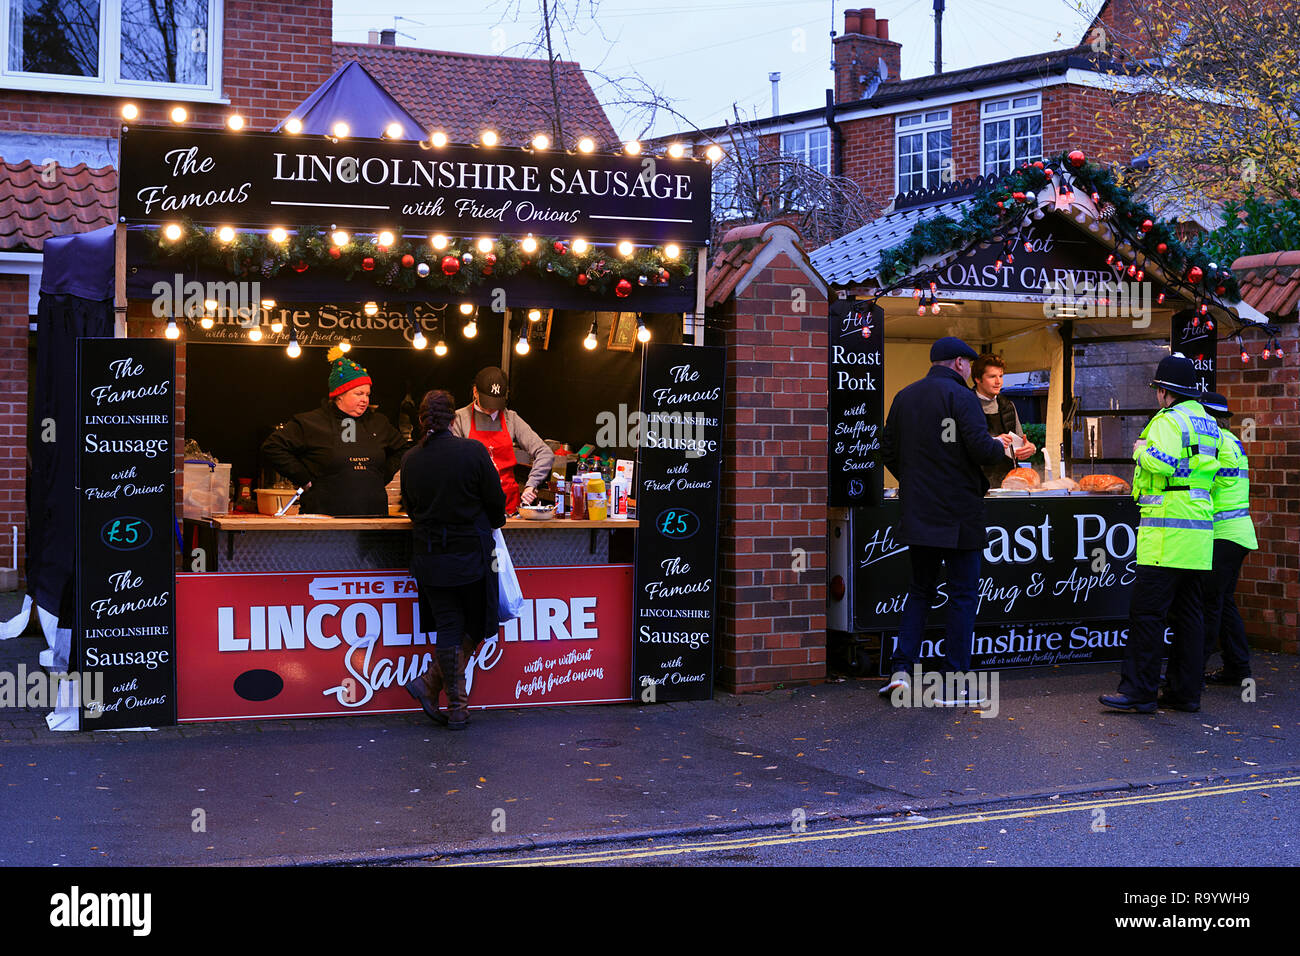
x,y
126,572
679,481
855,404
1198,343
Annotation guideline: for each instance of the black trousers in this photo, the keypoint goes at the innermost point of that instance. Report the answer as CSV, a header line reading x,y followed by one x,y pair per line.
x,y
963,598
1223,624
454,611
1160,593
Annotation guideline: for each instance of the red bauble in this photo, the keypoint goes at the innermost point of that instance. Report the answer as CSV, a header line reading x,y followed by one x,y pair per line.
x,y
300,266
487,270
491,258
1162,248
581,278
1038,165
335,252
623,288
368,264
1047,173
1194,274
560,248
1147,225
1000,205
1219,289
1076,158
450,265
408,260
1018,197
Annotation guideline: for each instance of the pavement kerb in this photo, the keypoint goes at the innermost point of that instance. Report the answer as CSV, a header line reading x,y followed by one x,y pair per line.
x,y
776,820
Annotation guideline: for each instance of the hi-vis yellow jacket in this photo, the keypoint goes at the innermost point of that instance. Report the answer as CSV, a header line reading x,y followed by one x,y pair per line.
x,y
1231,495
1175,472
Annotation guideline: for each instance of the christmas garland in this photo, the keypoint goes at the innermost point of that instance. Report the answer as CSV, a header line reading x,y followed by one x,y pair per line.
x,y
408,266
999,209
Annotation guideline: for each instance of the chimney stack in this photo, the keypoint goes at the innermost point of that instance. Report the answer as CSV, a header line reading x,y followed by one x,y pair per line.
x,y
859,53
374,36
388,37
775,79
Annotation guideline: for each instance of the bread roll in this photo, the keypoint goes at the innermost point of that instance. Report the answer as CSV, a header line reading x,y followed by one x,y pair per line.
x,y
1112,484
1021,478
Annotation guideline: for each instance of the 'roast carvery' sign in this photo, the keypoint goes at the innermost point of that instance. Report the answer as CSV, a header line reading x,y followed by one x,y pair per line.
x,y
262,179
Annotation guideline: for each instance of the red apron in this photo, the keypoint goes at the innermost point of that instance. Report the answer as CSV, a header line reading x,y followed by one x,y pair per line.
x,y
502,449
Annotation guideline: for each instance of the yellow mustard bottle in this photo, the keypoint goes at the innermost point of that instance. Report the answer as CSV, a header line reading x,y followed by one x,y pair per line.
x,y
597,503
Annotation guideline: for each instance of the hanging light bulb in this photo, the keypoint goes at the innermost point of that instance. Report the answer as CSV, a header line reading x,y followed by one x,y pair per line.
x,y
235,122
293,348
226,234
1266,354
130,111
589,343
534,315
179,115
579,247
339,238
485,245
528,244
489,138
470,330
541,141
676,150
345,345
672,250
341,130
206,322
268,303
418,339
522,346
714,153
586,144
370,308
440,349
632,147
438,139
385,238
278,235
642,333
172,331
916,293
277,326
172,231
920,309
393,130
293,125
466,309
438,241
626,248
934,308
255,333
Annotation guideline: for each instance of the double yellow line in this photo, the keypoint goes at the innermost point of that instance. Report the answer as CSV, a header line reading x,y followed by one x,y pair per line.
x,y
859,830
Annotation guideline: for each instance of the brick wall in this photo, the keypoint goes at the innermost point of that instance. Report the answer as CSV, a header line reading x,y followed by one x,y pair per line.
x,y
275,53
13,418
774,484
1268,592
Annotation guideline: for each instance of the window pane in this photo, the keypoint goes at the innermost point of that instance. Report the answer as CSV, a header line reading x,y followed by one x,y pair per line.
x,y
1029,139
819,151
997,147
792,144
910,120
936,116
938,155
54,36
999,107
165,41
1026,101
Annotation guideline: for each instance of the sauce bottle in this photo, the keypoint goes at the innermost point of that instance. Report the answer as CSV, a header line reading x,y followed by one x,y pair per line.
x,y
597,506
578,511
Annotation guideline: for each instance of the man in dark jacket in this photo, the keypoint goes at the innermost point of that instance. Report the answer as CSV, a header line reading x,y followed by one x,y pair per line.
x,y
935,441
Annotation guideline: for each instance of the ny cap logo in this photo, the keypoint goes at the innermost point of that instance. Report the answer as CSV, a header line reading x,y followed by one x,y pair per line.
x,y
496,389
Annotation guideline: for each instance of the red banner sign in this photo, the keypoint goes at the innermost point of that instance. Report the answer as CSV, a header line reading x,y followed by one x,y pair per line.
x,y
325,643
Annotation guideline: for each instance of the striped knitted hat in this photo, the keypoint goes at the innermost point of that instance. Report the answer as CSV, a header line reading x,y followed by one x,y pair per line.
x,y
345,374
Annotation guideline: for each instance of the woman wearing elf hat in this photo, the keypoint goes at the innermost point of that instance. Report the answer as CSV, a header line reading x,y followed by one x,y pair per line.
x,y
345,450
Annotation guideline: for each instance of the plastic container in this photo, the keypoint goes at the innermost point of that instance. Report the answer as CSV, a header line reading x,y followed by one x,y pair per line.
x,y
619,490
578,499
597,501
561,497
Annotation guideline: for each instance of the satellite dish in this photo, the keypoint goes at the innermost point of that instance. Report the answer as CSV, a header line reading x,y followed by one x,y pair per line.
x,y
882,69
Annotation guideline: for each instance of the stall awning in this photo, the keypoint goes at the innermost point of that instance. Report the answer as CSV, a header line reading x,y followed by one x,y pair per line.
x,y
353,96
80,265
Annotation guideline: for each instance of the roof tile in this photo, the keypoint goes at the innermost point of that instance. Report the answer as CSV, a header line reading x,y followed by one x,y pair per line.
x,y
34,206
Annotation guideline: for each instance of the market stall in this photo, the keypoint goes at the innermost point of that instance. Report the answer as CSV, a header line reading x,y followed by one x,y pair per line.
x,y
426,261
1039,267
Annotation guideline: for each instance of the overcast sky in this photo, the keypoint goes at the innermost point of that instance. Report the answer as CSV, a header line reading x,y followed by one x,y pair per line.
x,y
707,54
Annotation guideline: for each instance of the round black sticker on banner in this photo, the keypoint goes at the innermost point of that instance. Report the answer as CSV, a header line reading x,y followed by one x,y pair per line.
x,y
258,684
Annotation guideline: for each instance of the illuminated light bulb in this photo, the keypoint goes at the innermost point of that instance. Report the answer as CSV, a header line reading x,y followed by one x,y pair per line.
x,y
586,144
179,115
418,340
1266,354
934,287
522,346
172,331
485,245
672,250
438,242
541,141
1245,356
440,349
489,138
578,246
1160,299
370,308
294,349
466,308
278,235
211,304
714,153
385,238
920,310
293,125
534,315
235,121
676,150
589,343
206,322
935,308
393,130
438,138
255,333
268,303
341,129
626,248
471,329
916,293
345,345
529,244
172,231
339,238
130,111
226,234
277,326
642,332
632,147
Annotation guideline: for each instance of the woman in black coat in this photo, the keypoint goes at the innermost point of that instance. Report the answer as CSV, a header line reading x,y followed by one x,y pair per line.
x,y
452,492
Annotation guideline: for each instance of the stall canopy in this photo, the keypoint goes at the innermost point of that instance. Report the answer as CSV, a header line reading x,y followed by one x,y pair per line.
x,y
354,97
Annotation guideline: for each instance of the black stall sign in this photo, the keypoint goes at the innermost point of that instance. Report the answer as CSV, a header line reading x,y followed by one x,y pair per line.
x,y
855,403
1196,336
679,468
125,630
1046,559
265,179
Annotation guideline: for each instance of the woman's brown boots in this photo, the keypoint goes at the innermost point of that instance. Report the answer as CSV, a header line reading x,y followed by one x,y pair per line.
x,y
426,689
452,660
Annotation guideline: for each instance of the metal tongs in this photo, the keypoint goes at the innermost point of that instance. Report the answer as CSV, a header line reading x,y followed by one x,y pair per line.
x,y
292,501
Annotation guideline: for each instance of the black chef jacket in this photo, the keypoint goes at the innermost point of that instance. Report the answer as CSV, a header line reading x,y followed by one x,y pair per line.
x,y
347,477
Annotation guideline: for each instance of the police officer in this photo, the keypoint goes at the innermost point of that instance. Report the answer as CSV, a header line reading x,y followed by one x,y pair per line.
x,y
1177,458
1234,538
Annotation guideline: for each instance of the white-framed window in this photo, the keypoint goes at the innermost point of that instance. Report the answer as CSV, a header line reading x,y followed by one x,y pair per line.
x,y
811,147
924,143
1012,132
141,48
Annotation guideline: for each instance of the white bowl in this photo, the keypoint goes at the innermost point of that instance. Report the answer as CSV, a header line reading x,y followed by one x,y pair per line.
x,y
533,513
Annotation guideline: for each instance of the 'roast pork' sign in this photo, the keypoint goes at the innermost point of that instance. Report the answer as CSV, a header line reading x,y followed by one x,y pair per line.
x,y
262,179
855,403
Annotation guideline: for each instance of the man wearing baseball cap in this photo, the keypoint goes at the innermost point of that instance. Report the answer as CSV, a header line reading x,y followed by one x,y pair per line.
x,y
1177,458
487,420
1234,538
935,441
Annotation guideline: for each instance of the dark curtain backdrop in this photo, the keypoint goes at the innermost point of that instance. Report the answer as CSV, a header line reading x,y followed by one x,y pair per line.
x,y
236,394
51,494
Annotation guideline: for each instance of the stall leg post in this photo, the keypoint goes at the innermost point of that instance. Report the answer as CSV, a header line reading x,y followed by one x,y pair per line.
x,y
701,271
119,283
